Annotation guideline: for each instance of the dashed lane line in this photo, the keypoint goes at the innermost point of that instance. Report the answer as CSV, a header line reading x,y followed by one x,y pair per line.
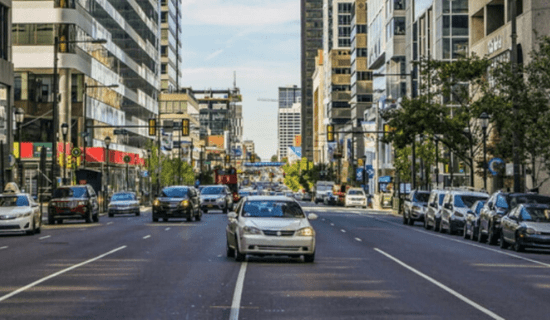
x,y
344,231
108,223
357,239
45,237
236,304
147,236
4,247
166,229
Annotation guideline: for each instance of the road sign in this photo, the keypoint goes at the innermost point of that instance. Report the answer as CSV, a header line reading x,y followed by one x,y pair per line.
x,y
207,162
494,165
370,170
127,159
75,152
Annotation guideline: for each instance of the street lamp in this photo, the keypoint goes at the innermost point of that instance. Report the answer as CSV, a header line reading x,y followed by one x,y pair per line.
x,y
55,88
64,131
106,196
149,174
84,116
19,118
484,117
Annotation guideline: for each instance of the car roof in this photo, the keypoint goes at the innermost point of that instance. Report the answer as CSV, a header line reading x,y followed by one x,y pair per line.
x,y
122,192
468,192
534,205
270,198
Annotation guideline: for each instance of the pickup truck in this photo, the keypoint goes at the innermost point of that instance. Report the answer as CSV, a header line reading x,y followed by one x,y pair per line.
x,y
415,206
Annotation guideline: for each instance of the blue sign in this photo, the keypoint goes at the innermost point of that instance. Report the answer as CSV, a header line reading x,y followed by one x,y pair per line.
x,y
145,173
370,170
359,174
264,164
237,152
493,163
384,179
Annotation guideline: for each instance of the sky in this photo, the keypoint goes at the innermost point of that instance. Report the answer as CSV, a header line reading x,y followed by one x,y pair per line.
x,y
260,41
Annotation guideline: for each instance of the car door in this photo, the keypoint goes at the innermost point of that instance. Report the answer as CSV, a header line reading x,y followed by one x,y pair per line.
x,y
510,223
93,199
232,224
485,213
431,205
445,210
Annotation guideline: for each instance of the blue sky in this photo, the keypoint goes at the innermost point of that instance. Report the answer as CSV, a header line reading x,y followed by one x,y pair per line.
x,y
258,39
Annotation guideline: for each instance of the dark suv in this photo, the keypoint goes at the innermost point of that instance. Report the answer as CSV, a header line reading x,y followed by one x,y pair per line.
x,y
415,206
496,207
73,202
177,202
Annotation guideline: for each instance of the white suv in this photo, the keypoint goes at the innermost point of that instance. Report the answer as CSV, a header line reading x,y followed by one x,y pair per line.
x,y
456,205
355,197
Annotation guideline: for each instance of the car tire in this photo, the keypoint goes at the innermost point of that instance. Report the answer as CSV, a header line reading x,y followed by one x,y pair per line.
x,y
309,258
426,226
411,221
89,217
51,220
239,257
138,213
503,243
451,229
33,229
492,239
189,218
39,229
59,221
111,215
475,233
155,219
518,247
230,251
225,210
437,225
165,219
465,232
204,211
480,236
95,217
405,220
441,230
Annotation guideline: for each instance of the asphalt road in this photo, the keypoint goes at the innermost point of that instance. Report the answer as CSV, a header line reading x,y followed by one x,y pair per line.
x,y
368,266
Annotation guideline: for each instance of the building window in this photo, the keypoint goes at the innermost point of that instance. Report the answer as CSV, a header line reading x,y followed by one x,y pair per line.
x,y
399,5
164,51
344,7
164,17
361,28
399,29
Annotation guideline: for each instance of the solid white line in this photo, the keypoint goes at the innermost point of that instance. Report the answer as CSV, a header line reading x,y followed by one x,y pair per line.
x,y
344,231
357,239
5,247
46,237
236,304
166,229
147,236
37,282
442,286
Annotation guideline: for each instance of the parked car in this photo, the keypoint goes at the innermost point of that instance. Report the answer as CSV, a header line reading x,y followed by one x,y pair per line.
x,y
270,226
330,199
433,214
471,227
177,202
415,206
355,197
73,202
216,197
123,203
499,204
456,205
527,225
19,213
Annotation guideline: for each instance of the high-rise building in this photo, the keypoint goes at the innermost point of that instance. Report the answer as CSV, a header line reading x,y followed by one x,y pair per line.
x,y
249,148
289,95
129,58
290,125
171,45
311,41
6,87
319,113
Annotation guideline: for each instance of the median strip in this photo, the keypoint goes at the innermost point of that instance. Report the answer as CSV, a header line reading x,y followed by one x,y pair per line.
x,y
37,282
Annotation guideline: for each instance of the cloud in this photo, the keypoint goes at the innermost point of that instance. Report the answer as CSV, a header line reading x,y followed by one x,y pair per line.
x,y
251,13
213,55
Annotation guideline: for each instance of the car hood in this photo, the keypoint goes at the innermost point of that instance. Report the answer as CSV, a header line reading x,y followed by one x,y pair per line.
x,y
277,223
420,204
124,202
538,226
169,199
70,199
11,211
211,196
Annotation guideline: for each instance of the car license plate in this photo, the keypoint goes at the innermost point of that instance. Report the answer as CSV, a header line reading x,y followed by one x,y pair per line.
x,y
210,205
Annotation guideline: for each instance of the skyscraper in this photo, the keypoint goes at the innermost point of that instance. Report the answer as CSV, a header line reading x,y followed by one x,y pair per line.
x,y
289,95
311,41
171,45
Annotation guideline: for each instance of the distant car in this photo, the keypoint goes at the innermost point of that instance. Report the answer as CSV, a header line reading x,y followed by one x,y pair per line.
x,y
73,202
527,225
355,197
216,197
471,228
306,196
456,205
270,225
123,203
19,213
415,206
330,199
177,202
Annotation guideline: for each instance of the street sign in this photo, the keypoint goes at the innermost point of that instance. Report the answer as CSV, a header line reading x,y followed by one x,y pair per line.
x,y
127,159
207,162
370,170
75,152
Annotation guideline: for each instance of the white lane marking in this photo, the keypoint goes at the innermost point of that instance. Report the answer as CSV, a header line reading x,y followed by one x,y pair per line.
x,y
37,282
166,229
147,236
444,287
236,304
45,237
469,243
357,239
332,224
108,223
344,231
2,248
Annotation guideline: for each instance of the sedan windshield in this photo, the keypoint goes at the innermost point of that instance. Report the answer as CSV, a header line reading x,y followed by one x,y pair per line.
x,y
356,192
212,190
75,192
528,198
421,197
272,209
535,214
124,197
14,201
462,201
174,192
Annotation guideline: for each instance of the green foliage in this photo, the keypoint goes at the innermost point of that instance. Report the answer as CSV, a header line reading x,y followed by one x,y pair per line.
x,y
177,172
297,175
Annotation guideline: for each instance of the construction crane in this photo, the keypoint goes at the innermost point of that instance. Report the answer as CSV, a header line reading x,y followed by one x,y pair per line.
x,y
268,100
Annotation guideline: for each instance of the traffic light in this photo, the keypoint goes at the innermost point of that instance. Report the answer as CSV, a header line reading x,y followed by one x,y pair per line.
x,y
330,133
152,127
185,127
227,158
252,158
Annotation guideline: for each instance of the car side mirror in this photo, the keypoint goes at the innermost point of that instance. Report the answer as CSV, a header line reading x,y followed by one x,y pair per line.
x,y
312,216
490,205
232,215
448,206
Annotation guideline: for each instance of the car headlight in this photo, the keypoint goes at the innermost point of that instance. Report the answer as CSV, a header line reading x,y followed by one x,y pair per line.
x,y
184,203
81,203
530,231
251,230
306,232
219,199
24,214
156,203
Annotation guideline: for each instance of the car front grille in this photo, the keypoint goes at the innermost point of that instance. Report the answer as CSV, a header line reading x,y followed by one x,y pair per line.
x,y
9,227
279,248
279,233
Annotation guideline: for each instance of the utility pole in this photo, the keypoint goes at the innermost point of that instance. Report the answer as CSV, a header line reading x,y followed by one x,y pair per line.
x,y
514,61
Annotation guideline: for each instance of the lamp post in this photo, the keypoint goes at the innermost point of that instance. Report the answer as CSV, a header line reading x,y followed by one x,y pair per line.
x,y
64,131
149,173
106,196
85,119
484,117
19,118
55,89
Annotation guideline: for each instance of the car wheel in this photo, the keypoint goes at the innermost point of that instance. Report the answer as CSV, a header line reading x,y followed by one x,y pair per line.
x,y
155,219
309,258
405,220
88,217
95,217
230,251
492,239
225,210
198,215
204,211
165,219
465,232
111,215
59,221
411,221
452,229
426,226
189,218
480,236
138,213
503,243
51,220
518,247
437,225
33,228
475,233
39,229
238,255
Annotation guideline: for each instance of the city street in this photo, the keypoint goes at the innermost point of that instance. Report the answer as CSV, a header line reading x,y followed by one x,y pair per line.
x,y
368,266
